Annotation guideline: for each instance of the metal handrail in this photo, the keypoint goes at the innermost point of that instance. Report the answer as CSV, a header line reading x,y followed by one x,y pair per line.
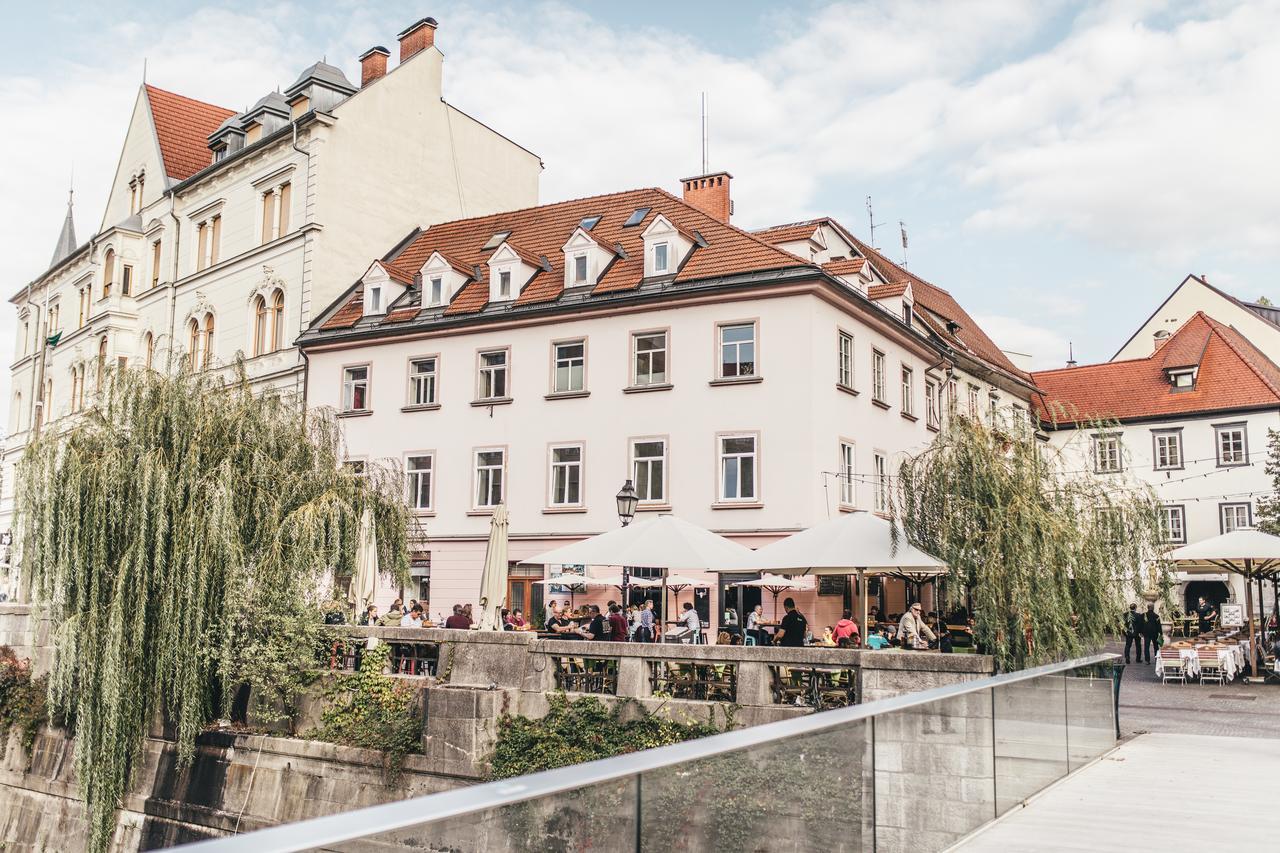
x,y
374,820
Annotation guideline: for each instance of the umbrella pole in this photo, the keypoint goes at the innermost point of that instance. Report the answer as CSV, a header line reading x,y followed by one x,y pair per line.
x,y
1248,608
862,589
662,628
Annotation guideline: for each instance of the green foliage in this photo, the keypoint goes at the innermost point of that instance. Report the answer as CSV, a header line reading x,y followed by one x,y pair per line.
x,y
582,730
1050,554
1269,506
178,533
23,699
370,709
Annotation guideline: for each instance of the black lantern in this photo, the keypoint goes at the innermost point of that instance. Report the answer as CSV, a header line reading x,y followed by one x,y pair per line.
x,y
627,501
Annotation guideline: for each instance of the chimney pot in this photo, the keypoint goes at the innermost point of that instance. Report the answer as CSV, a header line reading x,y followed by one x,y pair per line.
x,y
373,64
710,194
417,37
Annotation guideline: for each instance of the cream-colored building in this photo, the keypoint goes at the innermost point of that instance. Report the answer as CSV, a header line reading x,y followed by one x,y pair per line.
x,y
225,232
752,383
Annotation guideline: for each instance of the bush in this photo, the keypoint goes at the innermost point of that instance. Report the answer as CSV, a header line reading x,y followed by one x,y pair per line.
x,y
23,700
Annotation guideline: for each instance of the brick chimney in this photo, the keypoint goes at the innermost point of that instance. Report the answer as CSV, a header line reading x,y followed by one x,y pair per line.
x,y
373,64
710,194
417,37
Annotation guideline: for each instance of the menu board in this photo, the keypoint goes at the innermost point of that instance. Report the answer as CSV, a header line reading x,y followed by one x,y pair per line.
x,y
831,584
1232,615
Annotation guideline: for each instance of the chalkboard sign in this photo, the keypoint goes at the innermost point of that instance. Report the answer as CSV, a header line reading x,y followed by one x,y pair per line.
x,y
831,584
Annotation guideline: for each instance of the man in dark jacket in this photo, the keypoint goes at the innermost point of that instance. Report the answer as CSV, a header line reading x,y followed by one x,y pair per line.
x,y
1132,632
1151,632
618,624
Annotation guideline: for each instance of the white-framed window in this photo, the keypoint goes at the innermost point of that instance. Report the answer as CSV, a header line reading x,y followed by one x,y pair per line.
x,y
580,268
566,475
419,470
649,358
880,467
932,403
737,350
661,257
569,367
504,284
973,399
493,375
422,381
436,291
490,482
649,469
844,359
908,390
877,376
738,468
1235,516
953,393
355,388
1174,519
1232,444
1167,449
1108,457
847,490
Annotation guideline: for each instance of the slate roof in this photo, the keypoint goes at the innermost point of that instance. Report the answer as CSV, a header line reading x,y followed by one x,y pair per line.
x,y
183,126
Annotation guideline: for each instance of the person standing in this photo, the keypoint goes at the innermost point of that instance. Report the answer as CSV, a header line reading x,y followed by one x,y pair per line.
x,y
913,633
1206,613
1151,633
794,626
1132,631
596,629
618,623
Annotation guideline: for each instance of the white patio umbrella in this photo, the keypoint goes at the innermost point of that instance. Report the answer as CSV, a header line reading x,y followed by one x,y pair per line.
x,y
493,581
572,582
665,542
777,584
1250,553
852,543
364,581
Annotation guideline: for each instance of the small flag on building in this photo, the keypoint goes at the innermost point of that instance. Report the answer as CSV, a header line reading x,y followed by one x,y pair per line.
x,y
53,339
903,228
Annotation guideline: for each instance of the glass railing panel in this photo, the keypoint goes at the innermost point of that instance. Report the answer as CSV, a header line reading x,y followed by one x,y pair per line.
x,y
1030,738
1091,726
804,794
934,775
600,817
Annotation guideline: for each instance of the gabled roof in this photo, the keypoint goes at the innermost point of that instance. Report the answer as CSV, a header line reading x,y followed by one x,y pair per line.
x,y
1231,374
539,233
183,126
845,266
1268,313
791,233
884,291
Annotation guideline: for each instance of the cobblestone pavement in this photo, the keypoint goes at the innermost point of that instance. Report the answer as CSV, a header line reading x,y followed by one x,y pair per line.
x,y
1146,705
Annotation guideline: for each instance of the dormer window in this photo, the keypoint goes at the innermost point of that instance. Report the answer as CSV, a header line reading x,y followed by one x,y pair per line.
x,y
661,260
580,268
666,247
509,271
375,300
436,294
1182,380
380,289
504,284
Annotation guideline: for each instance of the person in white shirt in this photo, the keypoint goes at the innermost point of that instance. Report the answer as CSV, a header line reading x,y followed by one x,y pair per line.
x,y
412,619
692,624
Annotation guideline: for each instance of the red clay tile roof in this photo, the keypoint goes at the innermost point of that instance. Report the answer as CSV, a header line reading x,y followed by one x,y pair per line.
x,y
542,232
884,291
848,266
350,312
1233,374
793,233
183,126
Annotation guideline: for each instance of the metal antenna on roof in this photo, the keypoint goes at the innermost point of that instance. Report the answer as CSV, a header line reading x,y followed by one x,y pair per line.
x,y
902,226
1071,354
704,133
871,220
144,70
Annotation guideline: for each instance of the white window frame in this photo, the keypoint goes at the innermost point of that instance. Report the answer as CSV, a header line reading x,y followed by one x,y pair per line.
x,y
1232,511
414,480
665,254
844,359
741,461
567,362
737,348
877,376
555,469
489,373
974,391
643,485
581,268
1108,453
848,474
435,286
504,284
482,478
418,380
351,383
932,402
880,476
1236,456
908,390
375,299
1168,513
1171,451
647,381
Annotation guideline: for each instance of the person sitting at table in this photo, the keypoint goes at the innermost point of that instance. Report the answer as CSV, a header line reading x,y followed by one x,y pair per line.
x,y
370,617
459,621
755,628
517,620
846,629
828,638
913,633
562,626
597,628
794,626
730,625
878,639
692,626
412,619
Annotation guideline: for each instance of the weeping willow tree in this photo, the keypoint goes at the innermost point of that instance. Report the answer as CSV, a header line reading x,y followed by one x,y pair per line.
x,y
1048,554
179,534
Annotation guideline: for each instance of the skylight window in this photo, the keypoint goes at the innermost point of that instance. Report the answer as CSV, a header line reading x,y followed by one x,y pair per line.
x,y
495,241
637,217
589,222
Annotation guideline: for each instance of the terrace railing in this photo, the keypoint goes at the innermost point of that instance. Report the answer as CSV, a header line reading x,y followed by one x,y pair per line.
x,y
918,771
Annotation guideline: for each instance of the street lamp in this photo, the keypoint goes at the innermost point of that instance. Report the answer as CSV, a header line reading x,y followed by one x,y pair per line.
x,y
627,501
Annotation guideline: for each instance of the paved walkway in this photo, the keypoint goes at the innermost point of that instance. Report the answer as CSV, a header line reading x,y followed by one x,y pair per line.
x,y
1112,804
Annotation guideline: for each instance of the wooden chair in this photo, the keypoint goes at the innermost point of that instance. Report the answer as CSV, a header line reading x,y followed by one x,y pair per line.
x,y
784,691
681,680
837,692
1210,666
1172,666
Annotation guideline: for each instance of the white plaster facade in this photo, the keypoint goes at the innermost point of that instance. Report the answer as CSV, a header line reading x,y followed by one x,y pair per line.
x,y
1194,294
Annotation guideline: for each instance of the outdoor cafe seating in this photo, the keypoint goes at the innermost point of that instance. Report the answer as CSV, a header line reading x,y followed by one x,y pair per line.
x,y
1212,657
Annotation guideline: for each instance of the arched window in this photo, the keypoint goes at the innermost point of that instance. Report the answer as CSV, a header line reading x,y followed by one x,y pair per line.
x,y
260,320
102,361
207,352
108,272
193,344
80,401
277,320
148,348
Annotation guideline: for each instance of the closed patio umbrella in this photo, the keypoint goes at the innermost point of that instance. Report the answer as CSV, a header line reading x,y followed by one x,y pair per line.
x,y
493,581
364,581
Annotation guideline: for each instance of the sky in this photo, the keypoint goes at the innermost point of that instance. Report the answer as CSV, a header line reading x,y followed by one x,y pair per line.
x,y
1059,167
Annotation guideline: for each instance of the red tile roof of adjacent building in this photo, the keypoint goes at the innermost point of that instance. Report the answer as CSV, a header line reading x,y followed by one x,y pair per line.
x,y
845,266
540,232
1232,374
792,233
183,126
884,291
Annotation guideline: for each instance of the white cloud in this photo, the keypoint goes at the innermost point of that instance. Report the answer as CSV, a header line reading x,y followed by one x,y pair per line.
x,y
1047,348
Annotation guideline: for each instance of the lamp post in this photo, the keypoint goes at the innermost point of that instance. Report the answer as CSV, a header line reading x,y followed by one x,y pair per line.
x,y
627,501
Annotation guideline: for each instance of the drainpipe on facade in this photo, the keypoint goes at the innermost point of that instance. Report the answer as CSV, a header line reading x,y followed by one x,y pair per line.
x,y
173,275
306,250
